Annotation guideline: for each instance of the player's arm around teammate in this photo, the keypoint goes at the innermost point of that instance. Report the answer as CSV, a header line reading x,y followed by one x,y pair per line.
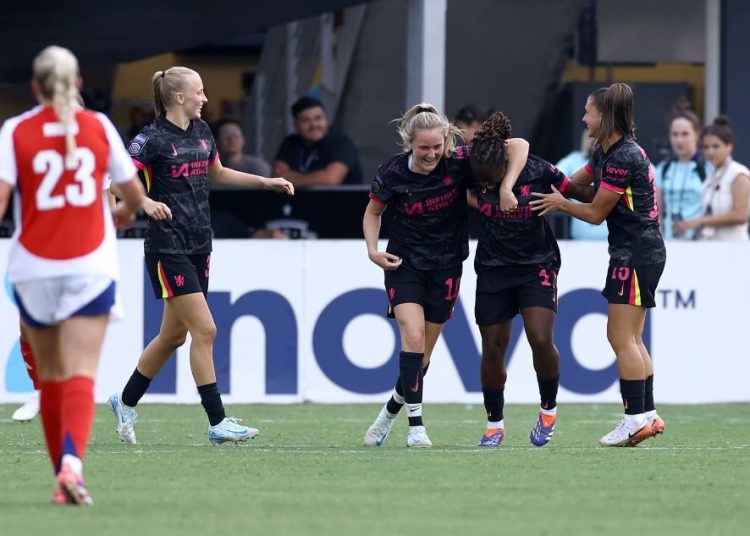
x,y
422,264
626,197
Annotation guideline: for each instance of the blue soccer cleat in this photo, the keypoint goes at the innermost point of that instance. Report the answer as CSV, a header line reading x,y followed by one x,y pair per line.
x,y
492,437
230,430
378,432
126,419
543,430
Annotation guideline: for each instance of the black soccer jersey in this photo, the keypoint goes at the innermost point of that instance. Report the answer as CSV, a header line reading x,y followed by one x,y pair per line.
x,y
635,238
429,228
519,237
174,165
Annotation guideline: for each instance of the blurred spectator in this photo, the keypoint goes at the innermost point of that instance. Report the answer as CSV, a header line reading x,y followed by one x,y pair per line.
x,y
579,229
316,154
469,119
680,176
725,197
231,144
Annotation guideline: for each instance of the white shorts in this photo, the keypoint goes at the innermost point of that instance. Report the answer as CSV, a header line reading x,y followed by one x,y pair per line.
x,y
46,302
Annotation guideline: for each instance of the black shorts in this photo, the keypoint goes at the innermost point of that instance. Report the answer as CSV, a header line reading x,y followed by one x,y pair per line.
x,y
503,292
632,285
177,275
435,290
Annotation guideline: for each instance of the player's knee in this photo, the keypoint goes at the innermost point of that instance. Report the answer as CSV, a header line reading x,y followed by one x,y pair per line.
x,y
540,342
619,340
173,339
413,340
205,333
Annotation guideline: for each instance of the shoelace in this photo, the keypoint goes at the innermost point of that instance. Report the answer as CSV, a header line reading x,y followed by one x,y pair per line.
x,y
234,422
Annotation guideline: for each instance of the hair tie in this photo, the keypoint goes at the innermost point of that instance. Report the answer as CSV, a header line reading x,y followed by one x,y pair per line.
x,y
163,73
425,109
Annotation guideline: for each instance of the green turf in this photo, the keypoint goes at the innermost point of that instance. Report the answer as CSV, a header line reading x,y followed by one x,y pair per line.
x,y
307,473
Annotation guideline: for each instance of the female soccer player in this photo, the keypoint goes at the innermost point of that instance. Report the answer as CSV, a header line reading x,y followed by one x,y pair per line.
x,y
625,196
517,262
63,262
423,260
177,156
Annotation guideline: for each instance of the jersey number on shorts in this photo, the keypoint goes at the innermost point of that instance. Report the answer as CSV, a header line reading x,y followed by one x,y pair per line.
x,y
452,286
53,165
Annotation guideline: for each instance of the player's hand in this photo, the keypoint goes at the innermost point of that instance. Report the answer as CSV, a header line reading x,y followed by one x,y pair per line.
x,y
280,185
508,201
122,216
156,210
387,261
547,202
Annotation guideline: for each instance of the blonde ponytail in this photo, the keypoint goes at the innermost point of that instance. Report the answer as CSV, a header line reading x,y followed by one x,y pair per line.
x,y
166,84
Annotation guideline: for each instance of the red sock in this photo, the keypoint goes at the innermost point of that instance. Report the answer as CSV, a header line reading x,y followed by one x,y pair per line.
x,y
77,410
28,358
50,409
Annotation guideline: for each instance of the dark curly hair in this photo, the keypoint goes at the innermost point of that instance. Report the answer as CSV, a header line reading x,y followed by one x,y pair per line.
x,y
488,155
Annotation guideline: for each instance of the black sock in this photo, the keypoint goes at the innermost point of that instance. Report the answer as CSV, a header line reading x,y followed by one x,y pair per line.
x,y
633,395
494,403
548,391
392,406
135,389
211,401
411,381
649,405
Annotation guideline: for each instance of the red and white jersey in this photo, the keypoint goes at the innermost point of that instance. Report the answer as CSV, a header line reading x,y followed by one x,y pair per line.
x,y
63,221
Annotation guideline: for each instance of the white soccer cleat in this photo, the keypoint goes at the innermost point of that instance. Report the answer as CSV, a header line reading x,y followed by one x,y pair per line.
x,y
126,419
29,410
417,438
626,434
378,432
230,430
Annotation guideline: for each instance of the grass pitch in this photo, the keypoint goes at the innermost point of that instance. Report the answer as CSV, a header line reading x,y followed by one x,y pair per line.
x,y
307,473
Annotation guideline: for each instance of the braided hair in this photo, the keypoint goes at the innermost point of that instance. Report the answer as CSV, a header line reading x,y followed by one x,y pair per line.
x,y
488,152
56,72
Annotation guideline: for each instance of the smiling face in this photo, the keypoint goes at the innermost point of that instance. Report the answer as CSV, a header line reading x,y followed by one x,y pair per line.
x,y
427,149
311,124
592,118
192,98
683,139
716,150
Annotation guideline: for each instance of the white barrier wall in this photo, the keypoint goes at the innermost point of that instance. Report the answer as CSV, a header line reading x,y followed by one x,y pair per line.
x,y
303,320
